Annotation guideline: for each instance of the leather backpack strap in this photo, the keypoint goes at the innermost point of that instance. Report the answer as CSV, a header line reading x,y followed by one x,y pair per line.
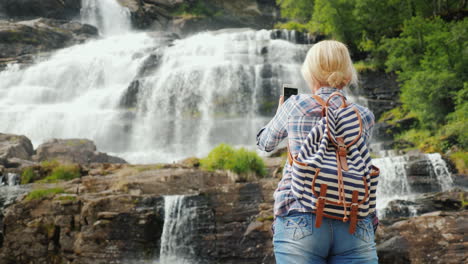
x,y
354,212
320,205
321,102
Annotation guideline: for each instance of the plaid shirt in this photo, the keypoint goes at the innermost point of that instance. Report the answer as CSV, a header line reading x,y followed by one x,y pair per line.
x,y
295,119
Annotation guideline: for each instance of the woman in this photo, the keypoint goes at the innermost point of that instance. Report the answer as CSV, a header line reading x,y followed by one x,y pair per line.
x,y
327,69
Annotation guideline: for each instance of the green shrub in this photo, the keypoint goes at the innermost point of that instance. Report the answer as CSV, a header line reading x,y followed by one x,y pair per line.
x,y
63,172
28,176
41,193
240,161
244,161
218,158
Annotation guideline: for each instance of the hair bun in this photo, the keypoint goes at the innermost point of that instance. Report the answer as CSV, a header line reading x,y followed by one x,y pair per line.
x,y
335,79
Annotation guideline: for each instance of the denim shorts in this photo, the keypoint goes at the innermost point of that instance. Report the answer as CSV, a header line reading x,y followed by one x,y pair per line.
x,y
297,240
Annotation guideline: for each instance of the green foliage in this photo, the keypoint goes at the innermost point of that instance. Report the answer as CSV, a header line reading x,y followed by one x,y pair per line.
x,y
365,66
300,10
196,8
423,139
49,165
241,161
28,175
429,58
460,159
428,53
41,193
63,172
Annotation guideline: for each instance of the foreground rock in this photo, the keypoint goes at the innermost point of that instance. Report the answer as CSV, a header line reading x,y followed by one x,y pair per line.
x,y
20,40
14,148
437,237
119,218
17,153
81,151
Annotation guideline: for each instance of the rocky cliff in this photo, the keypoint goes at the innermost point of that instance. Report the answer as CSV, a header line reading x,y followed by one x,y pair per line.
x,y
116,213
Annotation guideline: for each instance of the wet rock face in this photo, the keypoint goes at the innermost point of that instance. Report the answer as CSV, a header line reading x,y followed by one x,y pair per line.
x,y
426,203
20,40
81,151
436,237
119,218
381,90
98,230
65,9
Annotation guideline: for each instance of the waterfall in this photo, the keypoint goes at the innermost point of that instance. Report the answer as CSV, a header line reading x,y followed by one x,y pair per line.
x,y
107,15
177,238
13,179
209,88
393,180
441,172
395,183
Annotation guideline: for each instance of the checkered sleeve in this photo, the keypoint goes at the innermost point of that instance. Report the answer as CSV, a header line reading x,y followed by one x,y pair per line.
x,y
276,130
368,124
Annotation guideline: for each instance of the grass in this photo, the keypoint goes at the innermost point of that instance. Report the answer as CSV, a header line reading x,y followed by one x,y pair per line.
x,y
49,165
63,172
28,175
41,193
240,161
267,218
66,198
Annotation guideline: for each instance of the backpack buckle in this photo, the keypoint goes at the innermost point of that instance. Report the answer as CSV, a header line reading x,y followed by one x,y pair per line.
x,y
320,205
354,212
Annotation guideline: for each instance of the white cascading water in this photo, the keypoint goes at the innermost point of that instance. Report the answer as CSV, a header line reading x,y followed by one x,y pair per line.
x,y
442,173
393,181
177,233
107,15
204,92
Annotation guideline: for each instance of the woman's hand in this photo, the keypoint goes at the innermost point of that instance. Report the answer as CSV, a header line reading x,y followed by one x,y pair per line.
x,y
281,102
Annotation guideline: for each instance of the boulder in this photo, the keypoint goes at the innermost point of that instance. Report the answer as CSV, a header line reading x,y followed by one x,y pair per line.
x,y
82,151
64,9
436,237
14,147
425,203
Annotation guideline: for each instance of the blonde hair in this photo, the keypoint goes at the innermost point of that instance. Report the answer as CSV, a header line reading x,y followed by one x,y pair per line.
x,y
329,63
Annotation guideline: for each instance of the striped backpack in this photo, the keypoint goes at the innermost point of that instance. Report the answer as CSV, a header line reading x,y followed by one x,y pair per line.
x,y
332,174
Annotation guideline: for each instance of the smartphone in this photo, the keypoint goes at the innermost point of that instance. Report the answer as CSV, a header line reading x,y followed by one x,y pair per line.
x,y
288,91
